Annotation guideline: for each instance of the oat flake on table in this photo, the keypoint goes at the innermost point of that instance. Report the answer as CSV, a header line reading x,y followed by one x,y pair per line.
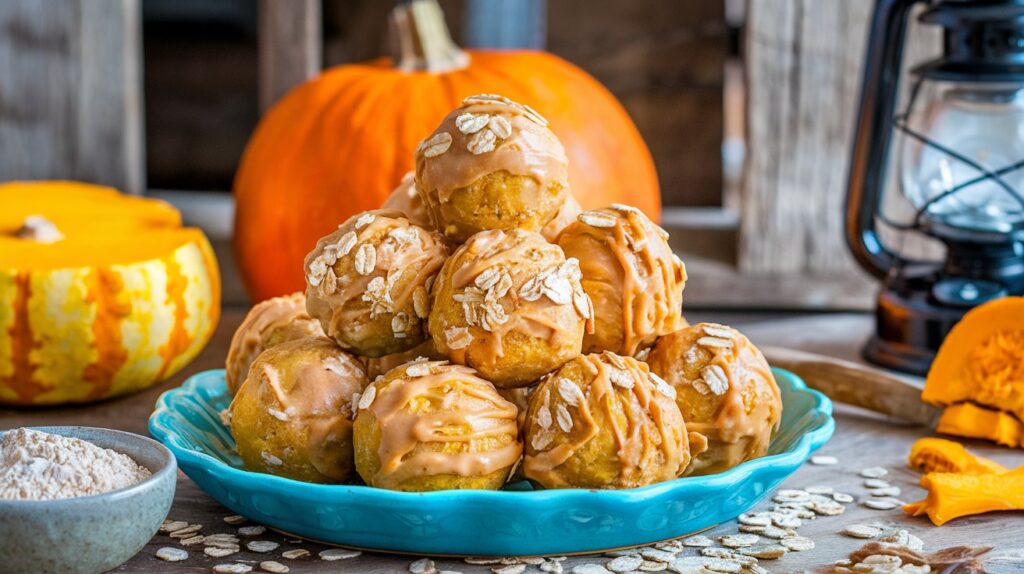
x,y
36,465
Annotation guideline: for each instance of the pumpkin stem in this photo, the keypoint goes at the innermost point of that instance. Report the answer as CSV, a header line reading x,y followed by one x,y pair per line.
x,y
38,228
421,39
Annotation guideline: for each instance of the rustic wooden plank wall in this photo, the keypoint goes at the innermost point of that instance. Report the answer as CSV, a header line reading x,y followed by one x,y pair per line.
x,y
803,62
290,40
71,95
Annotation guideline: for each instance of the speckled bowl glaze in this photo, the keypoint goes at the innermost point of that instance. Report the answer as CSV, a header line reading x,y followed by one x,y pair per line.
x,y
89,534
514,521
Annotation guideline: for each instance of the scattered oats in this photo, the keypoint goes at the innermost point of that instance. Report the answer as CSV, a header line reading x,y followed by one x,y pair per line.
x,y
221,540
716,552
823,460
652,566
776,532
235,568
186,532
218,552
670,546
570,392
739,540
752,529
624,563
755,518
657,555
551,567
716,330
531,560
366,259
364,220
262,546
589,569
501,127
173,526
436,145
904,538
274,567
842,497
876,483
791,495
887,491
235,519
596,218
698,541
755,569
482,561
688,565
482,141
171,554
422,566
827,508
716,379
881,504
295,554
727,565
715,342
766,551
860,531
192,540
564,418
367,398
818,489
334,554
915,569
874,472
271,459
544,416
507,560
623,552
787,521
252,530
470,123
510,569
541,440
798,543
663,386
457,337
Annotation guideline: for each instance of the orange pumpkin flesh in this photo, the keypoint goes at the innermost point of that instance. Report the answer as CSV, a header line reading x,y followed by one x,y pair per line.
x,y
941,455
339,144
126,298
953,495
978,373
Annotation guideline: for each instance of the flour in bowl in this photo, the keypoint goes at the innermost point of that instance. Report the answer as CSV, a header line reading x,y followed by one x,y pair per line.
x,y
42,466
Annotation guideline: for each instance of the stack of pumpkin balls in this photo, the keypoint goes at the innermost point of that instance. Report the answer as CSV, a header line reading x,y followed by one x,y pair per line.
x,y
480,321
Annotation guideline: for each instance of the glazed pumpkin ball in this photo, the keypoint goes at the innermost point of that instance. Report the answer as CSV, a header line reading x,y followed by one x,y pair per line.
x,y
630,272
268,323
603,421
491,164
510,305
377,366
430,425
725,391
292,416
368,283
564,218
407,199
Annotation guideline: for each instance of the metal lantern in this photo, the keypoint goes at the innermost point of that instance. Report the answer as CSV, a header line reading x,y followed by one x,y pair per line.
x,y
955,149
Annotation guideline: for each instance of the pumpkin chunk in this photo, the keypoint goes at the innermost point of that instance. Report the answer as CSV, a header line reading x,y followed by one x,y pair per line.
x,y
941,455
952,495
973,421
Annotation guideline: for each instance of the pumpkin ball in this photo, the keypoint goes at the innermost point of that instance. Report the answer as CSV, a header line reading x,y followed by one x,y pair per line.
x,y
491,164
268,323
725,391
377,366
510,305
564,218
430,425
368,283
292,416
407,199
630,272
603,421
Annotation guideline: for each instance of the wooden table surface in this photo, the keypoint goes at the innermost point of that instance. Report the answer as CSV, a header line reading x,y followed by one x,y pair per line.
x,y
861,440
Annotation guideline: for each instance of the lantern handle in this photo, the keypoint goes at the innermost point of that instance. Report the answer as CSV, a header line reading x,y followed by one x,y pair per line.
x,y
873,134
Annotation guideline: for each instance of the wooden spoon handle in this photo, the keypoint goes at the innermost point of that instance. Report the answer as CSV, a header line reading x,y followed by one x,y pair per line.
x,y
857,385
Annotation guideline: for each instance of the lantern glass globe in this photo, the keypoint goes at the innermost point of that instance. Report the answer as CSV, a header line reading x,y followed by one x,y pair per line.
x,y
982,123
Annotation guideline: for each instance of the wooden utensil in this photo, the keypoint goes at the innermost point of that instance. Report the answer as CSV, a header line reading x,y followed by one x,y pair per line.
x,y
858,385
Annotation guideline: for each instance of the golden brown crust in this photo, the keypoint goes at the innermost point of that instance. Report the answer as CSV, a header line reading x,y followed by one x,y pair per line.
x,y
368,282
630,272
725,390
603,421
429,425
510,305
268,323
292,415
491,164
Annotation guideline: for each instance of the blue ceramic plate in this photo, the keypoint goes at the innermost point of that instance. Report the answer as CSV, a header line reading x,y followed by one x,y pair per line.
x,y
516,521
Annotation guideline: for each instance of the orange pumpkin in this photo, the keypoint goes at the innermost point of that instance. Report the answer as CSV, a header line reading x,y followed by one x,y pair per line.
x,y
341,142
